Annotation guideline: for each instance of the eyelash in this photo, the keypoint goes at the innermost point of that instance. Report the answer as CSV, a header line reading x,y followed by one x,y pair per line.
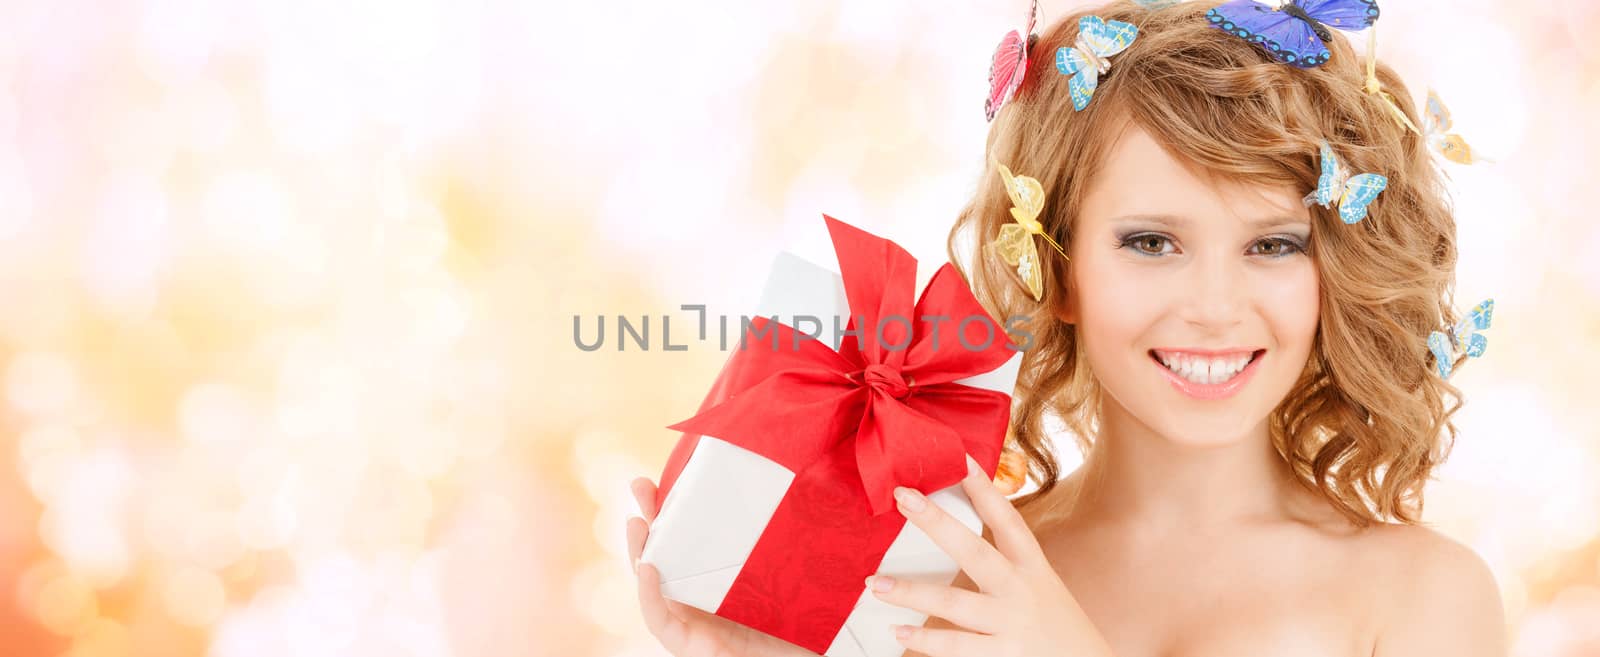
x,y
1288,246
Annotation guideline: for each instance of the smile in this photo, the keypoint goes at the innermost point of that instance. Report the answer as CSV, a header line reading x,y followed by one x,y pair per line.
x,y
1207,374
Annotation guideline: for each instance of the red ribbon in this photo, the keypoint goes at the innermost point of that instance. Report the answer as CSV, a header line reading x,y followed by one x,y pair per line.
x,y
882,411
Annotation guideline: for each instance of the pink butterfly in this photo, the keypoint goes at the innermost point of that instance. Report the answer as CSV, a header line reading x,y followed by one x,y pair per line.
x,y
1010,65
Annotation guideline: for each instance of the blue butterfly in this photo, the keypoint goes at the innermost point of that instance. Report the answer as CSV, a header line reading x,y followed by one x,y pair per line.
x,y
1297,32
1353,193
1098,39
1463,338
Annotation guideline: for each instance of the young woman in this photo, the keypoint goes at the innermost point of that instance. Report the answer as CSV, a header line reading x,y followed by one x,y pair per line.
x,y
1248,376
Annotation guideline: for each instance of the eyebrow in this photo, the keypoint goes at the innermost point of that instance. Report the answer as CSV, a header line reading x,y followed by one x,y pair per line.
x,y
1176,221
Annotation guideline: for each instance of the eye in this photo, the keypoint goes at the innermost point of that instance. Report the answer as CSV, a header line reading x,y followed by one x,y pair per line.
x,y
1149,244
1277,247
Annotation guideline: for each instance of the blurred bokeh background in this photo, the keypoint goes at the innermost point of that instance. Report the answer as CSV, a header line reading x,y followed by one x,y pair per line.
x,y
287,292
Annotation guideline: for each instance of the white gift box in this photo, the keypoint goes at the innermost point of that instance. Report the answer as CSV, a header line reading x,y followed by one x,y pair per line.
x,y
724,496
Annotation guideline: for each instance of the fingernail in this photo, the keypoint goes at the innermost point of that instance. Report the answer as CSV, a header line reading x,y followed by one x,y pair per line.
x,y
902,632
910,499
881,583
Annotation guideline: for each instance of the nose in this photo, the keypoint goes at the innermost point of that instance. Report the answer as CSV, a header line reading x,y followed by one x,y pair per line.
x,y
1216,293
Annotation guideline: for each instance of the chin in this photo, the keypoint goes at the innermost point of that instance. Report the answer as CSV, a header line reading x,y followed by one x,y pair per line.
x,y
1206,430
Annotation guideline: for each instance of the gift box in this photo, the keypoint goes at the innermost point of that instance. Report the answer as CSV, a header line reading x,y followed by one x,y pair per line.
x,y
776,503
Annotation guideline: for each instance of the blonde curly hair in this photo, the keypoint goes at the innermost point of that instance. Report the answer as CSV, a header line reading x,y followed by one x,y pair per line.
x,y
1368,420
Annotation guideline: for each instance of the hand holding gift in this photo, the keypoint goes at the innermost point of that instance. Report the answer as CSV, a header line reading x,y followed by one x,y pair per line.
x,y
1021,609
684,630
778,501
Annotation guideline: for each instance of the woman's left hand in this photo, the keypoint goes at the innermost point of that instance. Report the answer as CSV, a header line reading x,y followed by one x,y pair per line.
x,y
1022,609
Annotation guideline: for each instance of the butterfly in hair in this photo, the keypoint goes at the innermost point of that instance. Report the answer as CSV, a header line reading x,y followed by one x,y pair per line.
x,y
1351,193
1090,55
1295,33
1009,66
1436,125
1462,339
1014,245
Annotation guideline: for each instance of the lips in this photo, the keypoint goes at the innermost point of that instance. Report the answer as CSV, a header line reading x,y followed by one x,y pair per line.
x,y
1208,374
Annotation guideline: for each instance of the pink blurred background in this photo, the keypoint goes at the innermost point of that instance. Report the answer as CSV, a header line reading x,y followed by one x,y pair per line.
x,y
286,354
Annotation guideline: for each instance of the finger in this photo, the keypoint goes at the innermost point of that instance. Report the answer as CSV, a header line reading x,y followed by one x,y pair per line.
x,y
988,568
1011,533
974,611
638,531
668,629
644,493
943,643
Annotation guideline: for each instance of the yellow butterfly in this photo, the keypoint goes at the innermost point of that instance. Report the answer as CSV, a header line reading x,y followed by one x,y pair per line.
x,y
1015,244
1375,87
1436,125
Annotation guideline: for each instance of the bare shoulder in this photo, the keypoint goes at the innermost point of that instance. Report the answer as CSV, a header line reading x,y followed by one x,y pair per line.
x,y
1439,595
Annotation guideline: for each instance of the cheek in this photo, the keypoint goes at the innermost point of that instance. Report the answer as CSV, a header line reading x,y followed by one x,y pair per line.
x,y
1119,304
1297,305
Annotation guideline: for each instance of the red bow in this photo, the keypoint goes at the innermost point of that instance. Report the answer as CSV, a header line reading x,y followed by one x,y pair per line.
x,y
891,392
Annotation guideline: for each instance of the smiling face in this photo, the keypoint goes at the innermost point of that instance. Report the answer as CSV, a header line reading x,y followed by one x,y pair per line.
x,y
1196,299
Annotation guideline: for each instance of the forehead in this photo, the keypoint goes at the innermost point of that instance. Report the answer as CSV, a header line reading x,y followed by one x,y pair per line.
x,y
1140,178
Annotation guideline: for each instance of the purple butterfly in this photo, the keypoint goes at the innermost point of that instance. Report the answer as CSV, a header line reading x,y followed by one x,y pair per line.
x,y
1297,32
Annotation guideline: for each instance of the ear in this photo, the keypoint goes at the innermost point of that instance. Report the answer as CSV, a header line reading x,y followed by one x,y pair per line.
x,y
1066,308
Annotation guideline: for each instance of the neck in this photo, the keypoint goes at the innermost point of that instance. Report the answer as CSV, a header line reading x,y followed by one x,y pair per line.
x,y
1137,477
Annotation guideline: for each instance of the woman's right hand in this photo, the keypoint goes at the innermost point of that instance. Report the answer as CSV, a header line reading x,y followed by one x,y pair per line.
x,y
683,630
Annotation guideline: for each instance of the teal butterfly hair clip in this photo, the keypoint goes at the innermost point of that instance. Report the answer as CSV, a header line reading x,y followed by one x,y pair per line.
x,y
1089,56
1352,193
1461,340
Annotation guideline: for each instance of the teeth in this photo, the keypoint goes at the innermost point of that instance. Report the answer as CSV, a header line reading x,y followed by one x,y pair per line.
x,y
1205,371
